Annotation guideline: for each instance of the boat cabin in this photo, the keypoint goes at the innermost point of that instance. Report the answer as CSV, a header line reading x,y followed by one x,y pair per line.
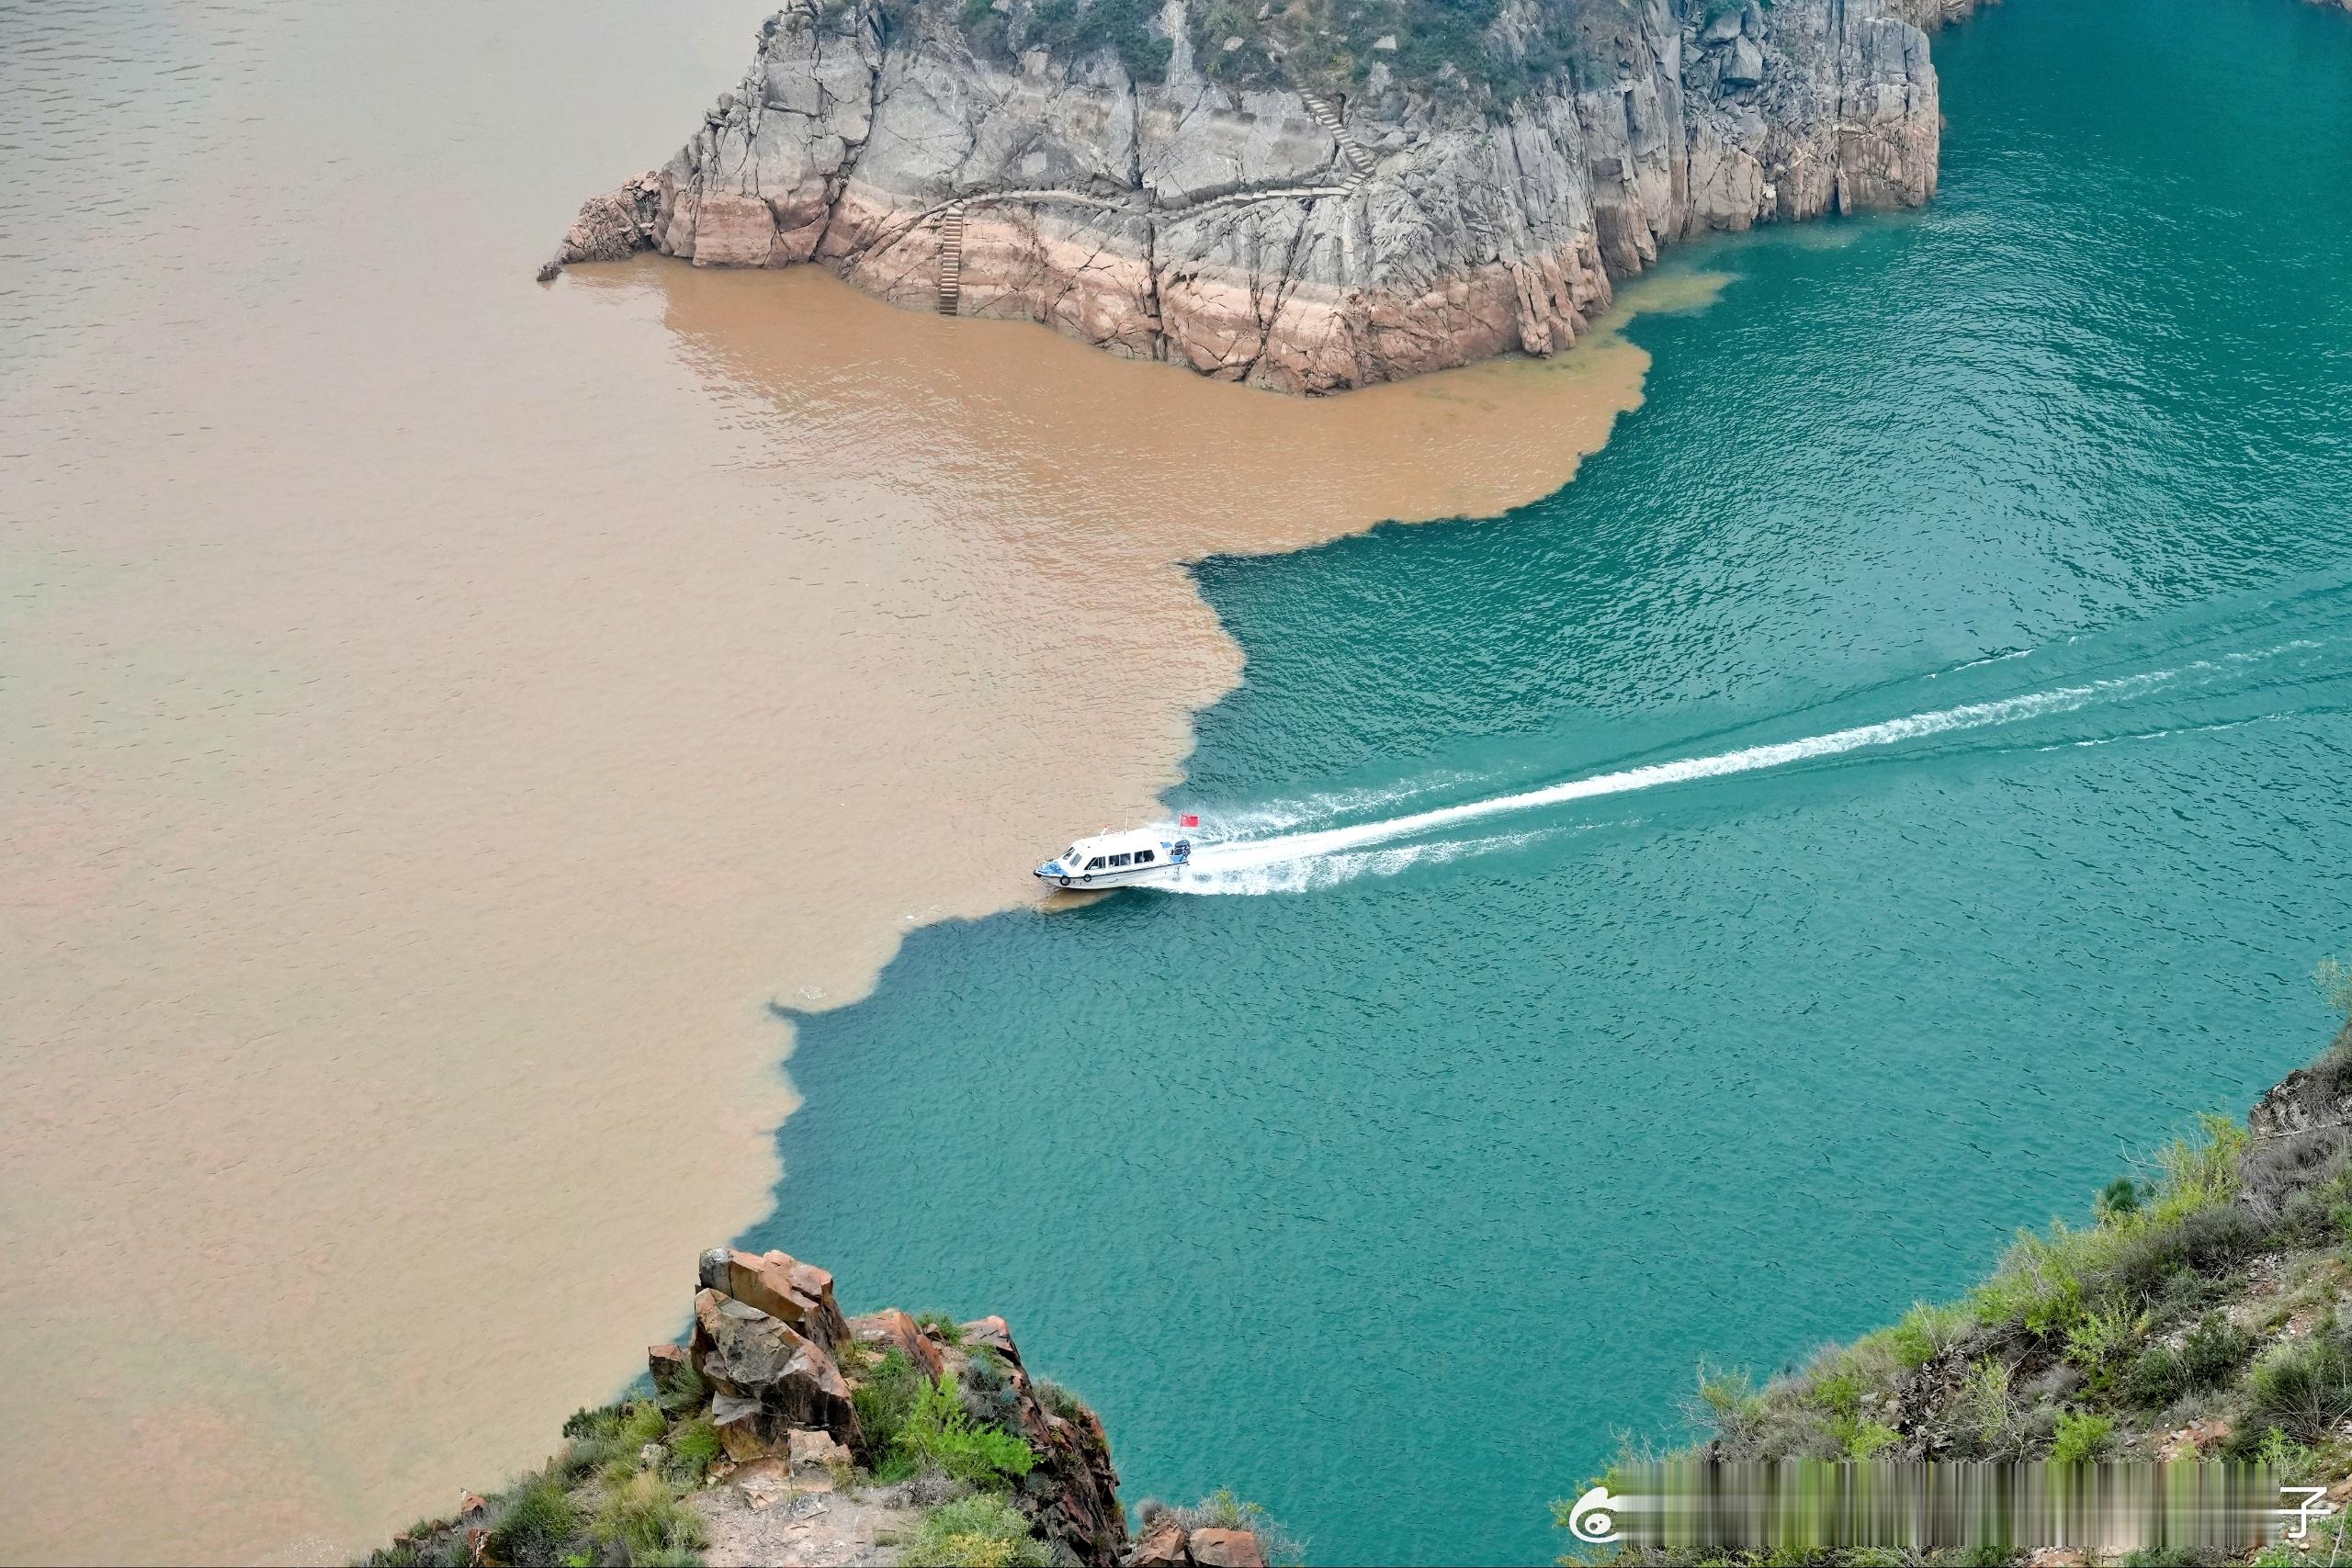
x,y
1111,857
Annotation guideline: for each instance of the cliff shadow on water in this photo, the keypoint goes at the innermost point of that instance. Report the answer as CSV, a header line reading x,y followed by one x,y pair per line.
x,y
1391,1200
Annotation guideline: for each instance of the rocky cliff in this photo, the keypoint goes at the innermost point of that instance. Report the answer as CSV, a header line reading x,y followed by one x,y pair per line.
x,y
1134,188
783,1431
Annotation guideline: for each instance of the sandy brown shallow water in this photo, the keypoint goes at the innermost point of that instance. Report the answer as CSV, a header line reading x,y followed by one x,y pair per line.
x,y
440,714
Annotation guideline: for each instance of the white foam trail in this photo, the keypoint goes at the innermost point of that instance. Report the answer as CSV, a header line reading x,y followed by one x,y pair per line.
x,y
1217,860
1308,872
1255,822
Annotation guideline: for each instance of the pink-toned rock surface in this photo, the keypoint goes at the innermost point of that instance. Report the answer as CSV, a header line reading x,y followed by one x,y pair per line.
x,y
894,1330
1226,1548
1232,230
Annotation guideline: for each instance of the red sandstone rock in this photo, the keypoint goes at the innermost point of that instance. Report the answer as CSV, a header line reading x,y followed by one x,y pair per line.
x,y
992,1333
765,1377
1226,1548
892,1329
664,1363
1162,1546
782,1286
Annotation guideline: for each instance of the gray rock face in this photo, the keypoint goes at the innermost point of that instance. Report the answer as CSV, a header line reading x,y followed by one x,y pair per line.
x,y
1254,236
765,1377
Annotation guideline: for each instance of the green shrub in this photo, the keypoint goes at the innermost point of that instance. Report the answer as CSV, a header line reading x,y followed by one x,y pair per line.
x,y
1728,1401
939,1434
941,1327
884,1401
982,1531
1922,1334
1867,1439
2334,978
2291,1459
535,1526
2118,1200
2082,1438
2101,1343
2200,1172
1057,1400
1986,1414
988,1394
2186,1220
2145,1261
586,1422
2303,1388
610,1438
694,1449
684,1390
645,1518
2155,1379
2039,1281
2214,1351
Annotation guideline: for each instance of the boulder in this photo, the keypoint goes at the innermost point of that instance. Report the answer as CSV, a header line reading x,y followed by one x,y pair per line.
x,y
782,1286
813,1449
765,1376
664,1363
1723,29
1162,1546
994,1333
894,1330
612,226
1744,66
744,1431
1226,1548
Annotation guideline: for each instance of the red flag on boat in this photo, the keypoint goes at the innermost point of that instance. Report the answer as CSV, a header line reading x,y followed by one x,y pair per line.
x,y
1189,819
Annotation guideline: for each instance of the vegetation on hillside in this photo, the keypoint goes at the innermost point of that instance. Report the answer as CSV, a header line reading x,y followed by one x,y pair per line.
x,y
613,1495
1483,50
2204,1310
617,1495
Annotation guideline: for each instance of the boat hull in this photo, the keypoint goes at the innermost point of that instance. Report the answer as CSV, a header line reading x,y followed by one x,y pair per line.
x,y
1102,880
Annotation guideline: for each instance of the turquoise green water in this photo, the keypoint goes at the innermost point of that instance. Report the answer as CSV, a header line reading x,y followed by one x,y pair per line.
x,y
1388,1184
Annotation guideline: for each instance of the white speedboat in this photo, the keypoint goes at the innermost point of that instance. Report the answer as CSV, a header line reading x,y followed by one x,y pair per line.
x,y
1114,859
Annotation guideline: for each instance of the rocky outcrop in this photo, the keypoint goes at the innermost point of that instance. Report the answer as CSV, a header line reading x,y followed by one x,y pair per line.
x,y
1168,1543
1257,234
770,1341
853,1442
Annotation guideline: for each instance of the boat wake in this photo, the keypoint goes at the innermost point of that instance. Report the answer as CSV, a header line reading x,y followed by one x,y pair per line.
x,y
1257,862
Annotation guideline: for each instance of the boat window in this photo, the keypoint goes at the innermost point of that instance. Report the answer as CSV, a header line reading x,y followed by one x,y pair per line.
x,y
1095,865
1121,859
1143,857
1069,855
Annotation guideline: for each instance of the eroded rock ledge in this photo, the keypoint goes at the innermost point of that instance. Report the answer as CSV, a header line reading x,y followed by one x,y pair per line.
x,y
783,1431
1277,237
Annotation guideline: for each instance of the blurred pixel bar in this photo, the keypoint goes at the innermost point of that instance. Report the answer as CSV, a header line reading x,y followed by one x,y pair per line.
x,y
1799,1506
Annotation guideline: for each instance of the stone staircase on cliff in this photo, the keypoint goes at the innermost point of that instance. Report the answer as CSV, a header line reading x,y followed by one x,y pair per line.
x,y
951,259
1359,162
